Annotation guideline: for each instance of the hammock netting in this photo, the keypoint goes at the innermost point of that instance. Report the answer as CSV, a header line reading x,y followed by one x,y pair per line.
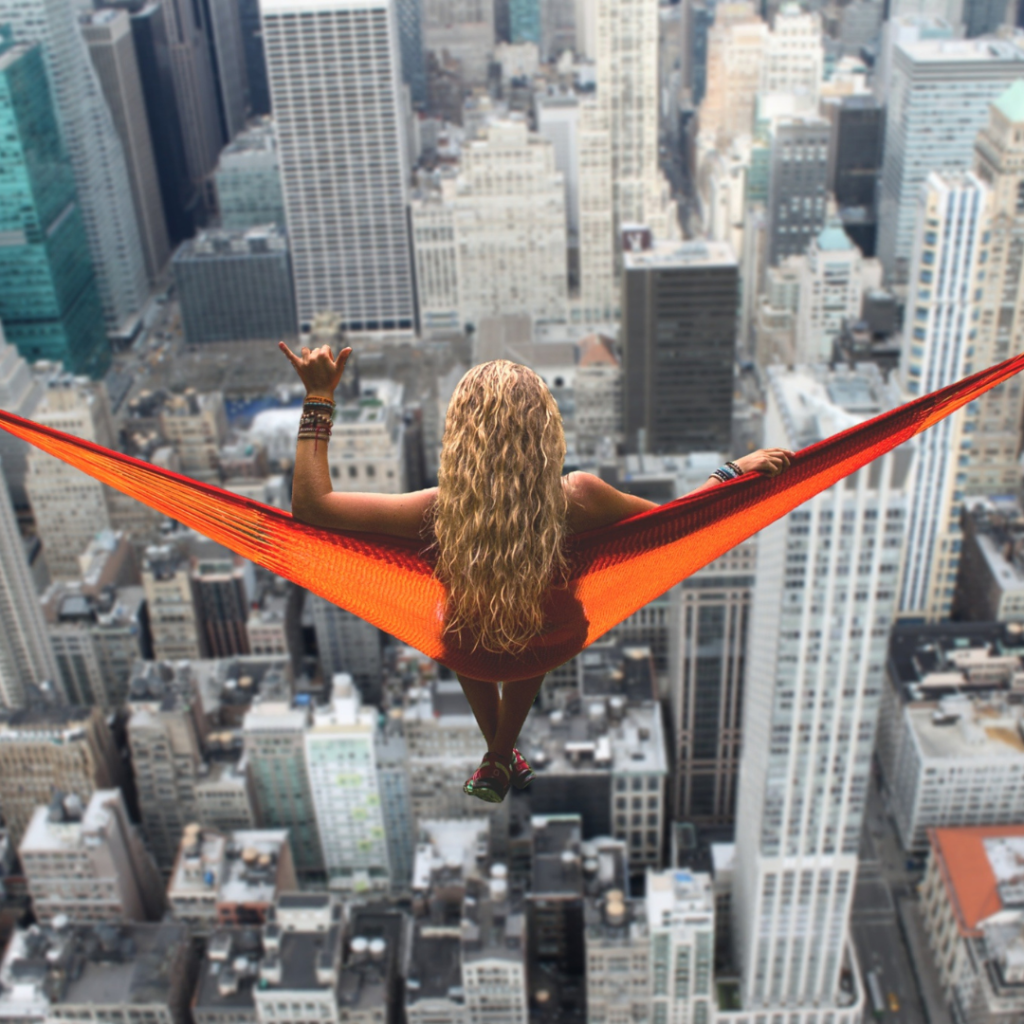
x,y
389,580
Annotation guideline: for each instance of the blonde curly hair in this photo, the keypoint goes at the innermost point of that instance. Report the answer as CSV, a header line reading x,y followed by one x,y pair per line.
x,y
499,520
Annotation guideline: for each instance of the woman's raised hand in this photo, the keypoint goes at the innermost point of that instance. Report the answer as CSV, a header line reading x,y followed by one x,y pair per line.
x,y
766,461
317,368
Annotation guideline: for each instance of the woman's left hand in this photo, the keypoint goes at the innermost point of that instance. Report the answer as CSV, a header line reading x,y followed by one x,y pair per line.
x,y
766,461
317,368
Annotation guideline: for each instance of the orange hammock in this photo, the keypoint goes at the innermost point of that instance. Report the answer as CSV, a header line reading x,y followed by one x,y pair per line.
x,y
389,582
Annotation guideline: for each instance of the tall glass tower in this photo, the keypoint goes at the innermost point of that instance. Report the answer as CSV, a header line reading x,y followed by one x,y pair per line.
x,y
49,303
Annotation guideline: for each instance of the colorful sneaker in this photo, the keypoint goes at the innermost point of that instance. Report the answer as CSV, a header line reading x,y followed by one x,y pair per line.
x,y
522,773
490,781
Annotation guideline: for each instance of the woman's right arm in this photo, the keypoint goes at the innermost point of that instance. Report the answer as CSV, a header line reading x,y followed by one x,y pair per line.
x,y
594,503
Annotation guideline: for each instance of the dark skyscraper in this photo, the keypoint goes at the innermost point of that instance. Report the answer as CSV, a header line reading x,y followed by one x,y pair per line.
x,y
854,163
255,61
797,185
152,48
982,17
49,303
679,304
112,49
224,30
414,58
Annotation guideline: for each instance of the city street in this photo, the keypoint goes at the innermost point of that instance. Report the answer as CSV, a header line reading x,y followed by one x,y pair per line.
x,y
884,911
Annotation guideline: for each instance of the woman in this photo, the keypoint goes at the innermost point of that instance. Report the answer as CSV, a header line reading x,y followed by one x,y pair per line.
x,y
497,518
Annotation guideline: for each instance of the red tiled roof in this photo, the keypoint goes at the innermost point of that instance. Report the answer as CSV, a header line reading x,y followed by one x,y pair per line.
x,y
596,348
966,870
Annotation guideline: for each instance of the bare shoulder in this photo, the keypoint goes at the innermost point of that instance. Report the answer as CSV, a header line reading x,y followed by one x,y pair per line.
x,y
594,502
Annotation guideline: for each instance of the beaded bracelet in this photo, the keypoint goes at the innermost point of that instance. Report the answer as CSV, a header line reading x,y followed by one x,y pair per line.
x,y
730,471
316,421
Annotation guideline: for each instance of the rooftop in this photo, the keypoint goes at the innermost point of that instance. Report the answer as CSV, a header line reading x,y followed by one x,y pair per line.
x,y
927,662
984,50
965,727
983,868
679,255
435,969
834,239
678,897
1011,103
230,970
251,865
816,402
606,735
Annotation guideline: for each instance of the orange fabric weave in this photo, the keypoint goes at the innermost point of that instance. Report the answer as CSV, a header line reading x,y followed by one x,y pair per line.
x,y
616,570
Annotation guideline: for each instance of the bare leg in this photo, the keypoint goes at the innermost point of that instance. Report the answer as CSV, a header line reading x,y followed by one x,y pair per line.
x,y
516,700
486,704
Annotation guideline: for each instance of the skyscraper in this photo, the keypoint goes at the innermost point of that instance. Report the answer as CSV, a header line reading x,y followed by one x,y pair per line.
x,y
69,507
797,186
854,163
95,153
112,49
679,341
249,180
794,57
49,304
334,81
20,393
275,745
180,197
951,235
227,50
414,57
708,664
195,86
939,96
735,54
255,59
999,162
827,576
508,218
25,655
627,93
341,761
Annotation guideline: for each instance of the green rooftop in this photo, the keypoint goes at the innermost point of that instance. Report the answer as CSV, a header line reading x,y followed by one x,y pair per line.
x,y
1011,103
834,239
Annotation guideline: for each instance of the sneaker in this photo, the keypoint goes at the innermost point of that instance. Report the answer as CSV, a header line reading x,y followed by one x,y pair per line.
x,y
522,773
490,781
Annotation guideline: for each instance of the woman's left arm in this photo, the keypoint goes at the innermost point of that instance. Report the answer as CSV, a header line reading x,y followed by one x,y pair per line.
x,y
314,500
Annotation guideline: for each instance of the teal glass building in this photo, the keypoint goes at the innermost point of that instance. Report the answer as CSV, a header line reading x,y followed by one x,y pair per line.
x,y
49,305
524,20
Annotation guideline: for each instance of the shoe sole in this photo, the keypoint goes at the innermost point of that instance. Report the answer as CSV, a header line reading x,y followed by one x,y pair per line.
x,y
523,785
489,796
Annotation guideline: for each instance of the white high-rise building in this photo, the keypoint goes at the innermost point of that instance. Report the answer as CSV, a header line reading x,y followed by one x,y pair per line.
x,y
628,94
335,82
952,219
26,657
69,507
95,152
735,56
341,762
558,120
833,278
598,299
794,57
20,393
681,926
507,230
999,162
827,576
938,101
